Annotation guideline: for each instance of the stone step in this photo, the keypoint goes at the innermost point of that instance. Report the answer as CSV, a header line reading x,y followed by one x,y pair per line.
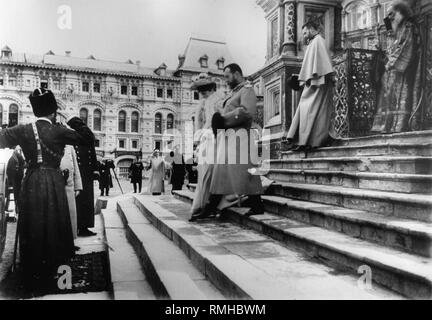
x,y
406,183
128,280
378,149
387,164
168,270
245,264
405,137
402,272
407,235
407,206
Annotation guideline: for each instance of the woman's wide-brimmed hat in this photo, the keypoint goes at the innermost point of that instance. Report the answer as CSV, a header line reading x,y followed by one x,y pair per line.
x,y
202,81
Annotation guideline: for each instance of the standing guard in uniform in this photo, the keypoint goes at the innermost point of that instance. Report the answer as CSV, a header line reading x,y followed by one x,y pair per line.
x,y
88,165
44,225
178,170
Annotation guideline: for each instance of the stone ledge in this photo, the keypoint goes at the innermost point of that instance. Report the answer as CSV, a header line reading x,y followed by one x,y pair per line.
x,y
128,281
237,274
171,274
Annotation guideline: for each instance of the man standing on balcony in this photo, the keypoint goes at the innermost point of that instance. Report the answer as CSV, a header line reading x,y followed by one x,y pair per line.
x,y
311,126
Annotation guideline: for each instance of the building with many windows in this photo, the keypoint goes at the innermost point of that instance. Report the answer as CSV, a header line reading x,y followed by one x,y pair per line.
x,y
131,109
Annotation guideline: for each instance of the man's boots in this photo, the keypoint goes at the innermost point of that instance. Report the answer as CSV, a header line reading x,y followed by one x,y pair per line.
x,y
256,204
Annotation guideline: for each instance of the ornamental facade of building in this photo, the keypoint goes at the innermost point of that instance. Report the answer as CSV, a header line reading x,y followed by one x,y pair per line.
x,y
131,109
354,31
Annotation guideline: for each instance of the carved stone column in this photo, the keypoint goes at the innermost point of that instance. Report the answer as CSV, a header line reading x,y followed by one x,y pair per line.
x,y
289,14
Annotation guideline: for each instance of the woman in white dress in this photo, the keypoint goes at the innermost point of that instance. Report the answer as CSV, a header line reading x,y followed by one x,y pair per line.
x,y
212,102
157,165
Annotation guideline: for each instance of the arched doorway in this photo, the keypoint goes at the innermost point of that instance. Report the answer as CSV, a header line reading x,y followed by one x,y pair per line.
x,y
123,167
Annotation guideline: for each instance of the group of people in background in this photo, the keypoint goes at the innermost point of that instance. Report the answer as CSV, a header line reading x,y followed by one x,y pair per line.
x,y
174,164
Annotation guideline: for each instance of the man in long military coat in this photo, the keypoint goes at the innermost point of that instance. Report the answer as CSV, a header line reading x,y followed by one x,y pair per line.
x,y
88,165
231,171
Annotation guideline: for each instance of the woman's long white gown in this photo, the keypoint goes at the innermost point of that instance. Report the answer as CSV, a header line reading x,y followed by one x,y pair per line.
x,y
206,149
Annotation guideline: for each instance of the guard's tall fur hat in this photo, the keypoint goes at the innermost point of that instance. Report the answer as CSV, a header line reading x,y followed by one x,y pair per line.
x,y
43,102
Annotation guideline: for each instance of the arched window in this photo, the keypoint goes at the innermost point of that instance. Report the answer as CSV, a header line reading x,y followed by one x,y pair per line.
x,y
84,115
135,121
13,115
122,121
170,121
158,123
97,120
358,16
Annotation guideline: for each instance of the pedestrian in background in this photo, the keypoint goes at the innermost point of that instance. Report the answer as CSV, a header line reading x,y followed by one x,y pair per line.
x,y
192,169
105,177
157,165
177,169
135,174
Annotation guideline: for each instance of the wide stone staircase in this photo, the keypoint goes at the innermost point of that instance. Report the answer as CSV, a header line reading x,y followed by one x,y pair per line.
x,y
363,202
352,221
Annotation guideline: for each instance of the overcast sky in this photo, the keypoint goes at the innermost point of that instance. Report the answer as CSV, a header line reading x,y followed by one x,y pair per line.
x,y
152,31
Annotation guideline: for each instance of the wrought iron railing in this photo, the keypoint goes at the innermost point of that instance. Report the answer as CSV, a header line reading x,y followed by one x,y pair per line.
x,y
355,96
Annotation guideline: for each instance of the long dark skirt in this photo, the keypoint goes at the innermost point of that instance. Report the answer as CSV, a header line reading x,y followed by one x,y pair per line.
x,y
45,231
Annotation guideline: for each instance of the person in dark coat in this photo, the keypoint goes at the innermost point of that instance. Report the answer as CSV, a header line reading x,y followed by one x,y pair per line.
x,y
191,168
105,178
44,225
177,170
135,174
89,170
